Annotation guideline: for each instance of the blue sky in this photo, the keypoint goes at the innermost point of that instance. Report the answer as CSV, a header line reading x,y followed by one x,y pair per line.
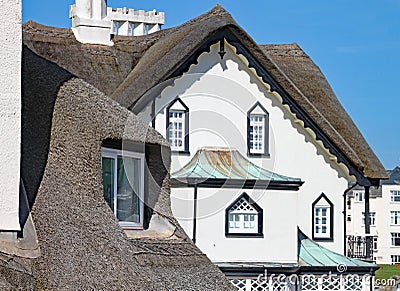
x,y
355,43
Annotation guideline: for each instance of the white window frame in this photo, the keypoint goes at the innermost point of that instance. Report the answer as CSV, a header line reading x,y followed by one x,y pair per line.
x,y
327,223
372,219
243,221
173,121
257,133
395,196
114,154
395,259
395,236
359,196
395,217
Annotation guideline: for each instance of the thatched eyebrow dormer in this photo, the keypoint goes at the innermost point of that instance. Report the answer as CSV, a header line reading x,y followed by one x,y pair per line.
x,y
66,121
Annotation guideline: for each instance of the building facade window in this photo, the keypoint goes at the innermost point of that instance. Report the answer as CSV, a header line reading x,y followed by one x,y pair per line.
x,y
243,218
395,259
257,131
395,217
359,196
322,218
123,186
375,243
395,196
395,239
372,218
177,132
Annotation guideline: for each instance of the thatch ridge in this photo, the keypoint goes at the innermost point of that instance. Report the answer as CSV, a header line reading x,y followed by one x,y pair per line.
x,y
310,80
138,64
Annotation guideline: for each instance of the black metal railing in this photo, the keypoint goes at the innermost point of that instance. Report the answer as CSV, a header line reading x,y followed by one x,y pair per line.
x,y
360,247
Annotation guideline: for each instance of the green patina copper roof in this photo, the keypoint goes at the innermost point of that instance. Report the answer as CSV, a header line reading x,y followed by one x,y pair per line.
x,y
225,164
315,255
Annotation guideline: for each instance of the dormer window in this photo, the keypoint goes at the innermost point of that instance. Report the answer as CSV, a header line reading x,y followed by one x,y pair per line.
x,y
258,131
123,185
322,218
178,126
244,218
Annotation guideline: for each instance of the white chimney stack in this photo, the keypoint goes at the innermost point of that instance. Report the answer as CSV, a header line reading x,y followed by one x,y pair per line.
x,y
95,23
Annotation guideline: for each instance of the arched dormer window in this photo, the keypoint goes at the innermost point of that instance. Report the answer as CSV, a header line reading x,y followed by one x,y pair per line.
x,y
178,126
244,218
257,131
322,218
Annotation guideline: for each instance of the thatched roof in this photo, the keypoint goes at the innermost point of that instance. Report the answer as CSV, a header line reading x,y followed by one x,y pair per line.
x,y
65,121
155,58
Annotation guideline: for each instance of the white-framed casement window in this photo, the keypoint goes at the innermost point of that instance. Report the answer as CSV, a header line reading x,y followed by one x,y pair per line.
x,y
322,217
395,239
395,259
359,196
395,196
322,221
395,217
178,126
258,130
257,135
372,218
244,217
176,130
123,185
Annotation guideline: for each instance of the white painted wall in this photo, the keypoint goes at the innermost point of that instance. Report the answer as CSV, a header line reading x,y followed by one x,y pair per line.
x,y
10,113
383,227
219,94
279,227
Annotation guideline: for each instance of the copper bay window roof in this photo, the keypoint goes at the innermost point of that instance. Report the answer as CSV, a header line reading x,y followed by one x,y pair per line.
x,y
215,167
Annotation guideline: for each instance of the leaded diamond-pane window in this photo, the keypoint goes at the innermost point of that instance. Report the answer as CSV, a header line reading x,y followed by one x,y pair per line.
x,y
244,217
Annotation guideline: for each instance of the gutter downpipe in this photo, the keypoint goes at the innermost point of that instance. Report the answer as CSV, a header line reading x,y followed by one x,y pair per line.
x,y
194,214
345,216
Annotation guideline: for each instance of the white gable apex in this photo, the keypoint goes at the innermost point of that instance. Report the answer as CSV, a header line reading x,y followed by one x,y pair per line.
x,y
177,106
258,110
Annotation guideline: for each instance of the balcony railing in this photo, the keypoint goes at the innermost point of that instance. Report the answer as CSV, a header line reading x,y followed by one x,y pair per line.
x,y
359,247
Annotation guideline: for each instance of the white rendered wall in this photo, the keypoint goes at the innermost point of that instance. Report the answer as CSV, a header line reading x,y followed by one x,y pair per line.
x,y
219,94
279,243
10,113
383,228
